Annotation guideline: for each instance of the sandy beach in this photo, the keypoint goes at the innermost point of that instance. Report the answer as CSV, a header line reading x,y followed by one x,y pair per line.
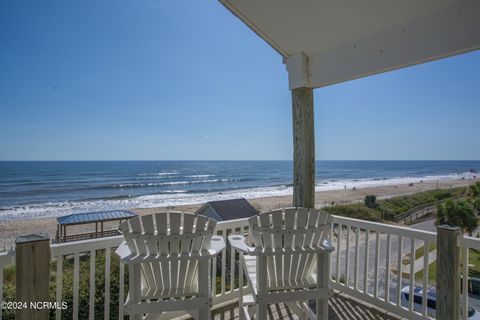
x,y
9,230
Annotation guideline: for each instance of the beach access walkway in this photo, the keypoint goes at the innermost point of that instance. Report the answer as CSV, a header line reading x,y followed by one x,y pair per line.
x,y
418,263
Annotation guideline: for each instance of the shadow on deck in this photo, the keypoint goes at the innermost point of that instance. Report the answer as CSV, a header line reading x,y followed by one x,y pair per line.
x,y
342,307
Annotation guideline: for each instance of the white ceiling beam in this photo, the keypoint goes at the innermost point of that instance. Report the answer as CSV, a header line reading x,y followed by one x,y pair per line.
x,y
448,32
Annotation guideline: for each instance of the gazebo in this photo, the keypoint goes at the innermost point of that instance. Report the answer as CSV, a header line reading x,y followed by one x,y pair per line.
x,y
97,218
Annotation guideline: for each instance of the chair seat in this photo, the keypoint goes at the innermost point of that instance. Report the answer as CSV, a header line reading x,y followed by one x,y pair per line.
x,y
250,265
147,294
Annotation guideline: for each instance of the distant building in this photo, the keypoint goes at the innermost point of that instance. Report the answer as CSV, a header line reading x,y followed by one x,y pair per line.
x,y
227,209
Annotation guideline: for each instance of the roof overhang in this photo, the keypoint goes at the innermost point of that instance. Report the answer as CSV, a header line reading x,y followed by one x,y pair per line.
x,y
329,41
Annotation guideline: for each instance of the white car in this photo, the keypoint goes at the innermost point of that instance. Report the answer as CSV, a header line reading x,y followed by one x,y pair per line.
x,y
431,302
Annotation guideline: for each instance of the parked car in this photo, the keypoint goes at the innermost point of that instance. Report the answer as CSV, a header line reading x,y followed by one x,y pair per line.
x,y
418,294
475,285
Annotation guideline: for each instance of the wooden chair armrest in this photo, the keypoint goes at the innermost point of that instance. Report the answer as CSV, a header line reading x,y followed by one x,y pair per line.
x,y
238,242
123,252
327,246
217,244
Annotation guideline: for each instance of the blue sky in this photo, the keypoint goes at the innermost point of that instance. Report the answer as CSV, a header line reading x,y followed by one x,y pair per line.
x,y
101,80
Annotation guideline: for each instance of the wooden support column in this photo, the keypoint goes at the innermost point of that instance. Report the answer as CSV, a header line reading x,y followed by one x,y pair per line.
x,y
448,273
323,281
303,148
204,312
32,275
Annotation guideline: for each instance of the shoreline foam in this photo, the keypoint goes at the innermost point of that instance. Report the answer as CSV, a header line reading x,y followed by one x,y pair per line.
x,y
10,229
182,198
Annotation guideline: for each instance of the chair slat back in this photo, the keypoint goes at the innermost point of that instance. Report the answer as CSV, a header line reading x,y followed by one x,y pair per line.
x,y
282,236
168,236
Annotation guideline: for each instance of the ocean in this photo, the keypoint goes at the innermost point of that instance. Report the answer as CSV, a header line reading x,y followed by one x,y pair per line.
x,y
35,189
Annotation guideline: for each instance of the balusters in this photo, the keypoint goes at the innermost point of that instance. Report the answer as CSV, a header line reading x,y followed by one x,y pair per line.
x,y
399,269
347,257
465,283
232,266
121,291
365,271
224,263
91,305
106,313
59,278
412,274
355,275
338,251
425,276
387,269
377,262
76,277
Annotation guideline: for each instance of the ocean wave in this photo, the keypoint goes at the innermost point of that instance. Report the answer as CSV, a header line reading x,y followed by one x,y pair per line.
x,y
168,173
175,191
73,187
170,183
379,182
184,197
54,209
175,183
200,176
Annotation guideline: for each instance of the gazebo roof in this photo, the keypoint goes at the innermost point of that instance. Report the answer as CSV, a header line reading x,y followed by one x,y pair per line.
x,y
90,217
325,41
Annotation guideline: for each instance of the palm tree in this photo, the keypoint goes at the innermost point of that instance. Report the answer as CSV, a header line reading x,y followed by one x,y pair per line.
x,y
461,213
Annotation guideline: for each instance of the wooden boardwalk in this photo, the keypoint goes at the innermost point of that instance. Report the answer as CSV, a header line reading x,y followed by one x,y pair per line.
x,y
342,307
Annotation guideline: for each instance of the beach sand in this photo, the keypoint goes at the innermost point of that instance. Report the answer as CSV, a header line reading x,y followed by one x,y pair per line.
x,y
9,230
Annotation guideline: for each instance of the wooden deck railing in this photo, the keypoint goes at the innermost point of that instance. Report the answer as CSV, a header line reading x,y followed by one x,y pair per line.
x,y
369,263
88,235
466,244
373,262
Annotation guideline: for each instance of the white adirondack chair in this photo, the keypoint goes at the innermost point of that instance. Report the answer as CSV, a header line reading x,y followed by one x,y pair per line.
x,y
290,262
168,256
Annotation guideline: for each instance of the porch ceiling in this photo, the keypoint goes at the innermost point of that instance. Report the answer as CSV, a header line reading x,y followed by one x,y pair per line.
x,y
347,39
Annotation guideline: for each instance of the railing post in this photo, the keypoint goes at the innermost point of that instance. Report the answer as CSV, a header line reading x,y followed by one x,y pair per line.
x,y
448,273
32,275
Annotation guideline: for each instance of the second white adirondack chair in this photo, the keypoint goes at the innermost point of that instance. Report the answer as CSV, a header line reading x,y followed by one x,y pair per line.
x,y
168,256
290,262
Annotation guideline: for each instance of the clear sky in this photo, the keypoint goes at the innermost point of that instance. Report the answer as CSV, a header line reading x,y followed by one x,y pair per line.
x,y
137,79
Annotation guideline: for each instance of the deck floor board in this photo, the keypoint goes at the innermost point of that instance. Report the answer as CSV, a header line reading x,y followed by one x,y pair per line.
x,y
341,307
